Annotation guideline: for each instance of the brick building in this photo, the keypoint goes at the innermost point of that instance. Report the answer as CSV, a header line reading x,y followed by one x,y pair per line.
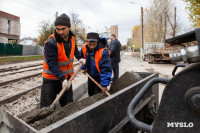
x,y
9,28
114,30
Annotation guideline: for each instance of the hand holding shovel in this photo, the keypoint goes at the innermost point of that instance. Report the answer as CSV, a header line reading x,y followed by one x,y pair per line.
x,y
65,87
103,89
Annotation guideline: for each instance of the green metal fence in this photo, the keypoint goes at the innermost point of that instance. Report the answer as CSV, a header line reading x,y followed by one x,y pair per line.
x,y
10,49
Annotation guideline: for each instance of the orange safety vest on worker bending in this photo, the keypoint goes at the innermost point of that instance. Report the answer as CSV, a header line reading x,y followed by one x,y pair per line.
x,y
98,55
65,64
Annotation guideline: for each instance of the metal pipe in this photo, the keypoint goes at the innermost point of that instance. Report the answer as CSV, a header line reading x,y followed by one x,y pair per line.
x,y
175,68
189,54
135,101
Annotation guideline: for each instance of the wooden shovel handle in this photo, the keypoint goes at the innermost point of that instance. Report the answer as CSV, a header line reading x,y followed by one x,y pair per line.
x,y
107,93
64,89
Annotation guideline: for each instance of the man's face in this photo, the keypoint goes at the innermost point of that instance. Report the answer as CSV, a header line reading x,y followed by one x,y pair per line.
x,y
62,31
112,37
92,45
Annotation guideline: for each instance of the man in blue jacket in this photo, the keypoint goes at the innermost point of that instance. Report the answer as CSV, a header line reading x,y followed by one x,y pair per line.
x,y
97,62
115,47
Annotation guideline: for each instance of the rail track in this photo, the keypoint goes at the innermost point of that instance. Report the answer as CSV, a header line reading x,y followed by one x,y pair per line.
x,y
13,75
28,99
16,68
14,91
23,68
21,71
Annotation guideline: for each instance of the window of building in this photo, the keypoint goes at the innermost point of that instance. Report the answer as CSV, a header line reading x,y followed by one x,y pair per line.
x,y
9,26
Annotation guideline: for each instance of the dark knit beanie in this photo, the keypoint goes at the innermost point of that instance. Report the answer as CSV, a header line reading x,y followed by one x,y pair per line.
x,y
92,36
63,19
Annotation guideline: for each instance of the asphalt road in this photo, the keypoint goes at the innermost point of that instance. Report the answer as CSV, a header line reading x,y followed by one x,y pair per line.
x,y
135,63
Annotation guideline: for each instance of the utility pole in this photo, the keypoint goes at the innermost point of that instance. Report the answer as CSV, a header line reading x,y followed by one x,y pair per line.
x,y
142,28
165,20
174,30
56,14
165,23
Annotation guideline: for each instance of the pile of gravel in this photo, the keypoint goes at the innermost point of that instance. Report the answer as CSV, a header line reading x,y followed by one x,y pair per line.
x,y
124,81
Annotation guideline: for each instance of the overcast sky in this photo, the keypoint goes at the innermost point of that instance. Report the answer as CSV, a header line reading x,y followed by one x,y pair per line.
x,y
96,14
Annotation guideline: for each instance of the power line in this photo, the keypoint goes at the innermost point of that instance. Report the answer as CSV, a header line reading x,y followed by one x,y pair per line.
x,y
50,4
91,11
31,6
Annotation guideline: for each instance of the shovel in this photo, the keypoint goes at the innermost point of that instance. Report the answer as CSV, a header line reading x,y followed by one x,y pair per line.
x,y
41,113
107,93
66,87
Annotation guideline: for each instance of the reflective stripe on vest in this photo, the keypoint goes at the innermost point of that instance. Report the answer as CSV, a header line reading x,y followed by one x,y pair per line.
x,y
64,64
65,72
98,55
84,49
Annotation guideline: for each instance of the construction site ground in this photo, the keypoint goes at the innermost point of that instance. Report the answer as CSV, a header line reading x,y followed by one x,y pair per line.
x,y
129,62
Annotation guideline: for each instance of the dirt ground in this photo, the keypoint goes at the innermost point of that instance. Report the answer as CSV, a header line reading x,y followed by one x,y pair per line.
x,y
24,103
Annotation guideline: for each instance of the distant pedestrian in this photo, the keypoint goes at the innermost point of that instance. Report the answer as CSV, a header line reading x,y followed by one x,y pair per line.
x,y
115,47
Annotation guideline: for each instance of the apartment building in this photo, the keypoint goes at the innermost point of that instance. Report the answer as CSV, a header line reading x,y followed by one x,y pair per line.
x,y
114,30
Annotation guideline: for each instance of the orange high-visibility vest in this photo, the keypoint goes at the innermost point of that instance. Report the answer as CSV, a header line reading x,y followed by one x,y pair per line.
x,y
65,64
98,55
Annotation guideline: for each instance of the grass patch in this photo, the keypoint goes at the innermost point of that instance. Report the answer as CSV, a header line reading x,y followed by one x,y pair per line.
x,y
9,60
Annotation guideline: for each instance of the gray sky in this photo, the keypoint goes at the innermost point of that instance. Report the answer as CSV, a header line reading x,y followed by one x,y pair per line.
x,y
96,14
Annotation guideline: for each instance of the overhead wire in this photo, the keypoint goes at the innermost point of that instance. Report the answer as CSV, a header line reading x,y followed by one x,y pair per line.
x,y
50,4
32,6
92,11
28,5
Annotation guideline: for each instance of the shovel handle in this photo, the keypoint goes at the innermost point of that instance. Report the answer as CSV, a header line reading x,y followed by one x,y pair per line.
x,y
107,93
65,87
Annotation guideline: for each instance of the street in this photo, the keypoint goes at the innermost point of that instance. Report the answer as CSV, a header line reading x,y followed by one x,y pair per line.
x,y
134,63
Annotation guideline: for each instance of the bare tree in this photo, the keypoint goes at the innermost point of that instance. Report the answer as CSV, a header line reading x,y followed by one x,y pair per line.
x,y
77,26
160,21
47,28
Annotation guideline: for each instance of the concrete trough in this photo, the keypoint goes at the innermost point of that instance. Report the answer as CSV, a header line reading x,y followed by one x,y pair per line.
x,y
99,117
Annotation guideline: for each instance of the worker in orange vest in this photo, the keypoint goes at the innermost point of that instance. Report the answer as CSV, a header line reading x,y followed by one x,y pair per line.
x,y
59,51
97,62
